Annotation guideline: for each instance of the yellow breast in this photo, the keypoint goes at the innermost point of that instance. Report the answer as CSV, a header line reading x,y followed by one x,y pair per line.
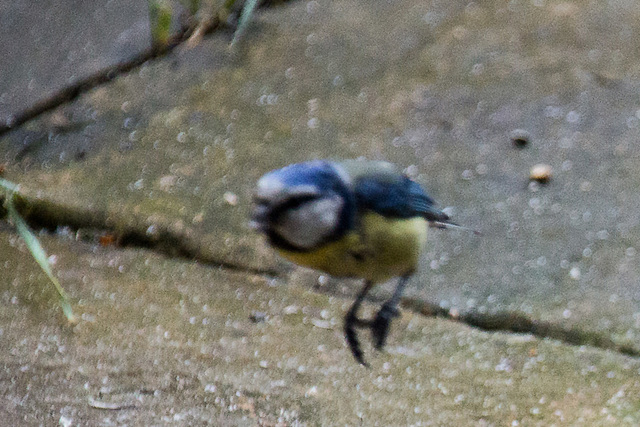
x,y
380,248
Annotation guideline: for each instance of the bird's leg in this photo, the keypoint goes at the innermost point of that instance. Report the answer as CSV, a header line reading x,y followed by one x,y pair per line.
x,y
389,310
351,321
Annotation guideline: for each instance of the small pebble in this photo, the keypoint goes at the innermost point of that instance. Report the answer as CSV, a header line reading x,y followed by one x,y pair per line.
x,y
540,173
322,324
257,317
230,198
519,138
291,309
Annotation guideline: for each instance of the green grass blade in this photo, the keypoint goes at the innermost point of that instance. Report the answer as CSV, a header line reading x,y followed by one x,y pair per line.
x,y
37,251
9,186
160,17
249,8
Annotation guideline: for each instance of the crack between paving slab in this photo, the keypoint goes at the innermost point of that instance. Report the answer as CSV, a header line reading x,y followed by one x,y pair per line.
x,y
521,324
508,322
176,246
73,91
191,27
47,215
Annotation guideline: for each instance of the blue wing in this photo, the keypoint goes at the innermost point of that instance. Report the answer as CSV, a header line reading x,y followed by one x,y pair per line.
x,y
397,197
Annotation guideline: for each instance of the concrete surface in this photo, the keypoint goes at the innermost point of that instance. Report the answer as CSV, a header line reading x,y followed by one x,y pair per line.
x,y
166,158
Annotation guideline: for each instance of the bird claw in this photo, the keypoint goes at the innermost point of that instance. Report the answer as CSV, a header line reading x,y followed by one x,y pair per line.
x,y
350,324
354,344
379,329
381,323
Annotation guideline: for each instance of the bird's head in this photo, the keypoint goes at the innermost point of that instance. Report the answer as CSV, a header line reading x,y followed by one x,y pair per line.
x,y
302,206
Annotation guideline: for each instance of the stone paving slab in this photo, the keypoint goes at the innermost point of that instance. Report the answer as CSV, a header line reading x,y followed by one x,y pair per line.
x,y
45,47
166,342
176,147
167,157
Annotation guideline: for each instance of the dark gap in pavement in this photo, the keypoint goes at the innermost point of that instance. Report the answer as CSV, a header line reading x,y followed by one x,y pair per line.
x,y
42,214
73,91
176,246
521,324
92,224
67,94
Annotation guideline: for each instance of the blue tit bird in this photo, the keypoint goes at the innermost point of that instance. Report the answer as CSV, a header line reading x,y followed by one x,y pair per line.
x,y
353,218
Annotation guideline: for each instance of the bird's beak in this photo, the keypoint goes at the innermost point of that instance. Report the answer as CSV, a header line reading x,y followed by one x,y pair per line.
x,y
259,218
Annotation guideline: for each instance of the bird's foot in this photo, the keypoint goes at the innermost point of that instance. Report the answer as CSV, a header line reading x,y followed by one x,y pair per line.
x,y
380,324
351,322
379,329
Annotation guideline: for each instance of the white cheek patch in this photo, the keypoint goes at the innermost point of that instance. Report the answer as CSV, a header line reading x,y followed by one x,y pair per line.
x,y
269,187
311,223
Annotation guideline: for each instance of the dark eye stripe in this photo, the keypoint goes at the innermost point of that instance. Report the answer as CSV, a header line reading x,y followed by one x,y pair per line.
x,y
289,204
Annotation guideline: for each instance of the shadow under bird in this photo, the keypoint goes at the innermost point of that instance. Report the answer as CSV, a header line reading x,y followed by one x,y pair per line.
x,y
352,218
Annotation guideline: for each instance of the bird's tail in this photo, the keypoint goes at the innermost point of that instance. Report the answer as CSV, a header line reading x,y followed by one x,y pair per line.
x,y
449,225
439,219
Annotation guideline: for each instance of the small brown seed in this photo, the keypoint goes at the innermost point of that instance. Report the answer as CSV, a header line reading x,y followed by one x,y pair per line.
x,y
519,138
541,173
